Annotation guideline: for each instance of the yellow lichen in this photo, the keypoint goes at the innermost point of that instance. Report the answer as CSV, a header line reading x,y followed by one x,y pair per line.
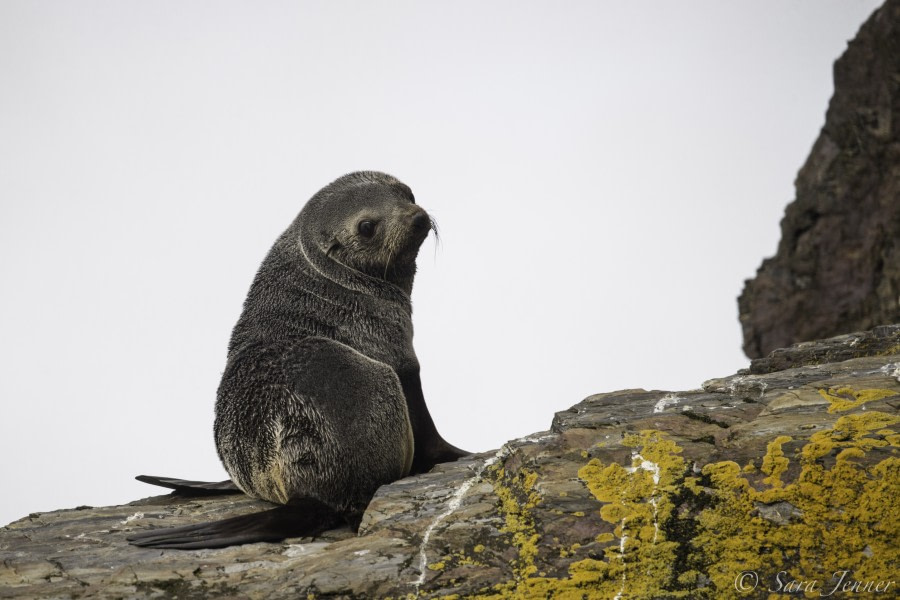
x,y
838,512
845,398
774,462
833,515
895,349
517,498
564,552
638,500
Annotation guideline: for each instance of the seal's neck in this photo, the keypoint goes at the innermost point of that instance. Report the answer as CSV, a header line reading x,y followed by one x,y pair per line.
x,y
397,289
401,273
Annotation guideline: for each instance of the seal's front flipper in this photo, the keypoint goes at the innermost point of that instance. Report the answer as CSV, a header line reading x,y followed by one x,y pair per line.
x,y
195,488
430,447
308,517
447,452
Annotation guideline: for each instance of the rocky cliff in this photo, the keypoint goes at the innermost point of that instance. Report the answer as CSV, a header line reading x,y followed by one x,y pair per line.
x,y
837,268
788,472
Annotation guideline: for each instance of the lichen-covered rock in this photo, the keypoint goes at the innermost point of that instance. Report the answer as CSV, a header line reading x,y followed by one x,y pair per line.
x,y
837,267
783,475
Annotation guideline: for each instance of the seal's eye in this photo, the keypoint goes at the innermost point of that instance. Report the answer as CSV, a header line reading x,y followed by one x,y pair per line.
x,y
366,228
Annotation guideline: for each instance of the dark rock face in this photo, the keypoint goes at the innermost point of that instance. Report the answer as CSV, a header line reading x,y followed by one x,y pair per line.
x,y
837,268
792,466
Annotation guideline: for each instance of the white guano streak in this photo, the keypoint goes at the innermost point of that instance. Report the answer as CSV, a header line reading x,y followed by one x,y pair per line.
x,y
667,400
653,468
457,498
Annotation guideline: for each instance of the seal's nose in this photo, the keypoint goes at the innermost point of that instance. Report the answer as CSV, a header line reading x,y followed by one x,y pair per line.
x,y
421,221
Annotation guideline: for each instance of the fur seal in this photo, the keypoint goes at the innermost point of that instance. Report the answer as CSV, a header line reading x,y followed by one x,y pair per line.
x,y
321,401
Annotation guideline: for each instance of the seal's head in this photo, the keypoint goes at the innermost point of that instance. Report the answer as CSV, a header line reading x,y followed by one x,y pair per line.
x,y
368,222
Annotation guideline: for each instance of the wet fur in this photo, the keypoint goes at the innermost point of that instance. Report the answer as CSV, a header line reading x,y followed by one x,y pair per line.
x,y
320,402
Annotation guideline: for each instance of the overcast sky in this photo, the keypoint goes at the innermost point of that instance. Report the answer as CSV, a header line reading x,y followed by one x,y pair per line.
x,y
605,176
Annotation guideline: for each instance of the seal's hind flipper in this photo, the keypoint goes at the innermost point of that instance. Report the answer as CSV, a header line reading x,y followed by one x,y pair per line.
x,y
187,487
309,517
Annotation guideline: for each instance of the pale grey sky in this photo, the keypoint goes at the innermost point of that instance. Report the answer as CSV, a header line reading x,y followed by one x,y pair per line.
x,y
605,175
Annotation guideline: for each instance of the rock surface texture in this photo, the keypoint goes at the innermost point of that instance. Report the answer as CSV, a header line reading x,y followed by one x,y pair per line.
x,y
837,267
789,470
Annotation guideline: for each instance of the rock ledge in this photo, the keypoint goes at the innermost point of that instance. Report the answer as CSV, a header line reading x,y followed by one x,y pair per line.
x,y
788,467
